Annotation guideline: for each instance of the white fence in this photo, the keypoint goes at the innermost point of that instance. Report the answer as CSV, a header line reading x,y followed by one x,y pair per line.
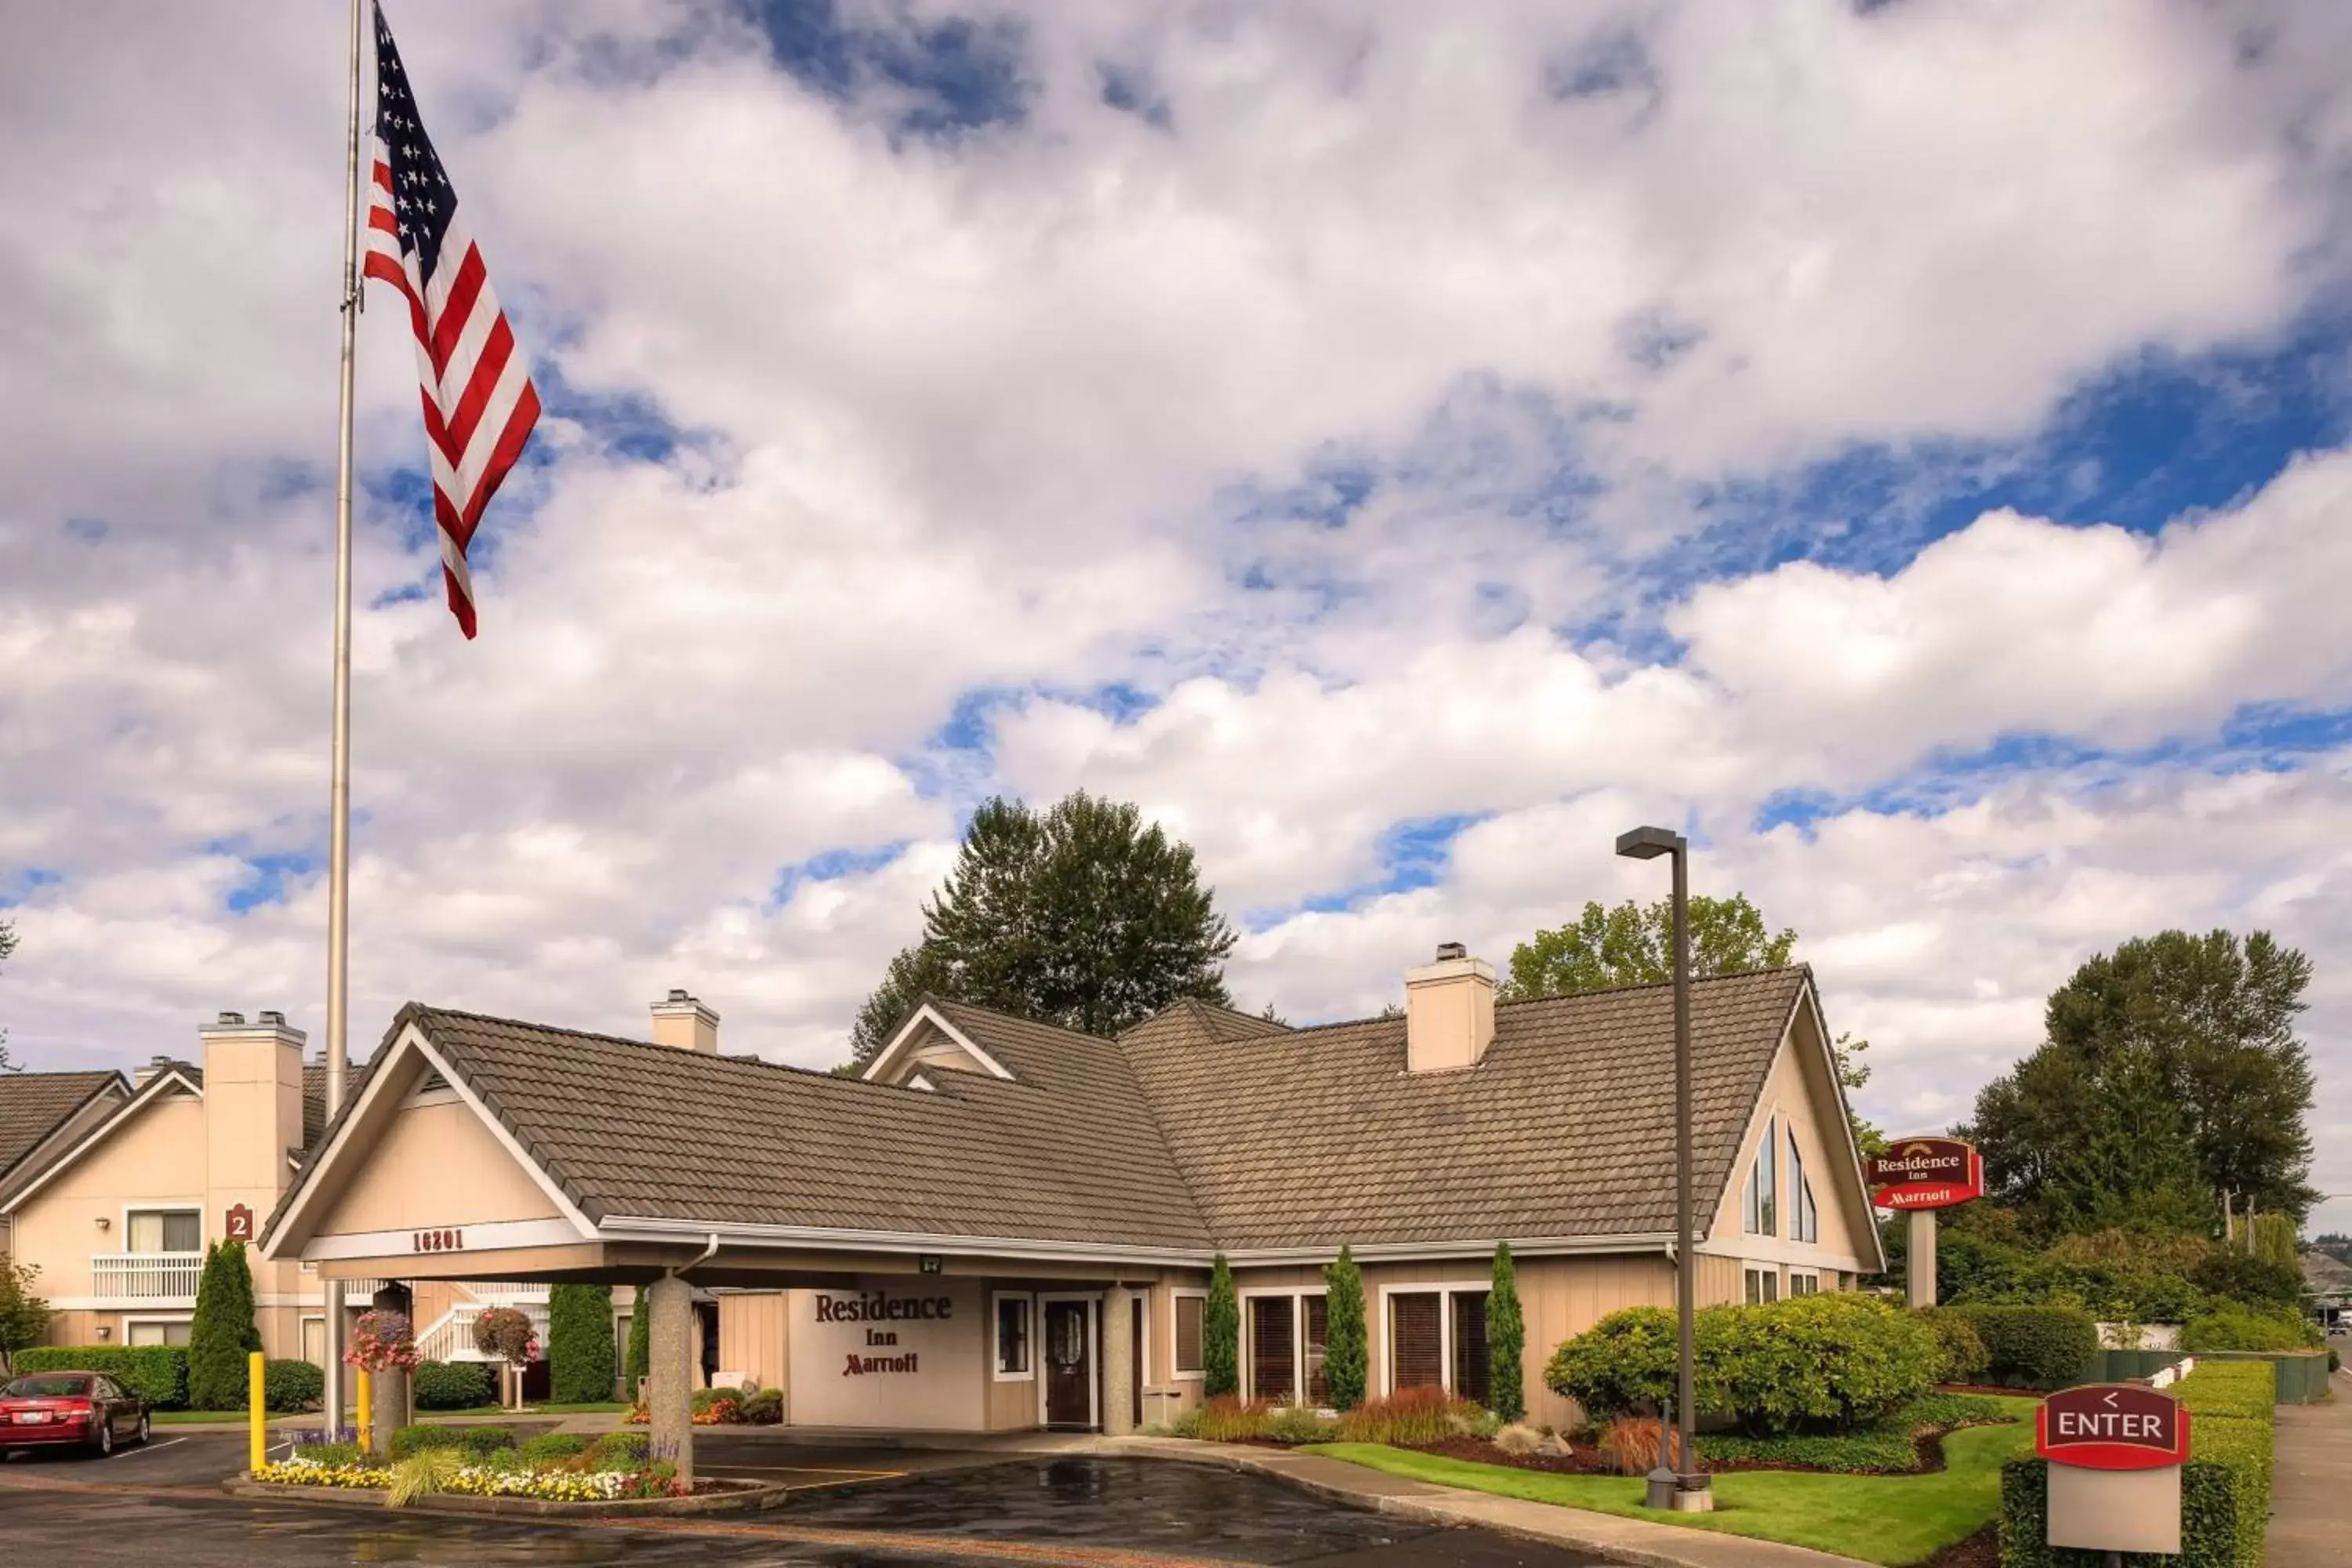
x,y
153,1278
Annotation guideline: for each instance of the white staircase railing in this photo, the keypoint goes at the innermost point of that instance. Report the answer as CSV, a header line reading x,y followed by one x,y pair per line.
x,y
451,1336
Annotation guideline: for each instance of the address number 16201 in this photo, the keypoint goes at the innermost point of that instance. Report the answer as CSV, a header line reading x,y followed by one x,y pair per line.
x,y
451,1240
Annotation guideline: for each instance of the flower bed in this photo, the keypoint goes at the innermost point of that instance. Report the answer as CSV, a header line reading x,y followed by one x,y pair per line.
x,y
550,1485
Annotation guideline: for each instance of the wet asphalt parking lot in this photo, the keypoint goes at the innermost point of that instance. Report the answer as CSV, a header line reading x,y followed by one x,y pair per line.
x,y
850,1508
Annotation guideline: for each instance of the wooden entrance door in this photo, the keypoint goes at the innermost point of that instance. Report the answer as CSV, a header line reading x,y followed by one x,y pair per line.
x,y
1069,1364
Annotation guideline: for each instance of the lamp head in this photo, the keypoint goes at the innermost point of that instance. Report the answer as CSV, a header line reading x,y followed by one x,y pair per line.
x,y
1649,843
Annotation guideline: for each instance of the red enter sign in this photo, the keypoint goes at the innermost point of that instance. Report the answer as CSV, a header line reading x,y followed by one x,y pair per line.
x,y
2112,1426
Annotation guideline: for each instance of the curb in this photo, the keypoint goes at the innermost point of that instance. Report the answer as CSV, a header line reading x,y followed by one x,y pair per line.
x,y
752,1497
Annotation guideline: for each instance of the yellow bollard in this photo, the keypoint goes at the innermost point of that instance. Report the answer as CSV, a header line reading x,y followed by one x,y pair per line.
x,y
367,1412
258,1447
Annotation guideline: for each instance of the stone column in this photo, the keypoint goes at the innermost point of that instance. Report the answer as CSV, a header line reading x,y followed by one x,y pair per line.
x,y
669,1372
1118,1362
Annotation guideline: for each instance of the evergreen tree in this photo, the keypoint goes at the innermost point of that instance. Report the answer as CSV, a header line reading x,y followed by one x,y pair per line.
x,y
641,1343
1083,915
2201,1025
1506,1341
580,1343
8,946
1347,1357
1221,1334
221,1335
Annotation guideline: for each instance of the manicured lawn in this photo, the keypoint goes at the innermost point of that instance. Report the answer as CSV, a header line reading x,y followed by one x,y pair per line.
x,y
1892,1519
181,1418
185,1417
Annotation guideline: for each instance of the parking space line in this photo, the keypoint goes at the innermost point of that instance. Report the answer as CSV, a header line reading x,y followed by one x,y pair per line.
x,y
146,1448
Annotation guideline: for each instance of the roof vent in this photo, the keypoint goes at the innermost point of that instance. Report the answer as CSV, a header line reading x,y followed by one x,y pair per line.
x,y
272,1016
229,1020
155,1064
1451,950
678,993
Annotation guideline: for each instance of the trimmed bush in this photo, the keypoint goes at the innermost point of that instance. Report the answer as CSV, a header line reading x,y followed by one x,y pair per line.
x,y
156,1374
619,1448
766,1408
1964,1358
1291,1424
2235,1326
451,1385
1346,1355
288,1385
2209,1522
1884,1446
1625,1364
480,1440
221,1335
2033,1347
580,1343
1221,1334
1506,1341
705,1398
2245,1390
1827,1362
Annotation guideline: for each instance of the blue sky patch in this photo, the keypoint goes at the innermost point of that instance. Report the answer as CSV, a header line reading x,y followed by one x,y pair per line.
x,y
829,866
955,75
266,879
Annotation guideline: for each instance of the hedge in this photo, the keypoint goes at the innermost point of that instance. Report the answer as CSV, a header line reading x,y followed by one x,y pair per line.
x,y
2034,1347
2234,1326
2209,1522
451,1385
157,1374
475,1441
2243,1389
289,1386
580,1343
1965,1358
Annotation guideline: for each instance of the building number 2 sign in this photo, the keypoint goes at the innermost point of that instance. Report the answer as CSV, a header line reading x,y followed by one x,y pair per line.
x,y
237,1224
451,1240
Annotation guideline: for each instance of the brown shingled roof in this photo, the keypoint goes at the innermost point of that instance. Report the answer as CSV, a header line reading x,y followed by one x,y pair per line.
x,y
34,1105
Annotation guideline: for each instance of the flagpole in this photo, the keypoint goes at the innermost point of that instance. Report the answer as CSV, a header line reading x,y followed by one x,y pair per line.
x,y
339,859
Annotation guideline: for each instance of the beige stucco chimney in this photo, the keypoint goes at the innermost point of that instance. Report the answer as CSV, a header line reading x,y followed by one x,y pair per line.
x,y
1449,1011
253,1123
686,1024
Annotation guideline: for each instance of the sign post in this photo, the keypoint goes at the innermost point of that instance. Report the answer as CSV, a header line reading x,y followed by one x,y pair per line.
x,y
1920,1175
2115,1451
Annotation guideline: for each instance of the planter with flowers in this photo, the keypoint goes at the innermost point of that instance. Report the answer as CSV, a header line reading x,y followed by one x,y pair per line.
x,y
506,1332
383,1345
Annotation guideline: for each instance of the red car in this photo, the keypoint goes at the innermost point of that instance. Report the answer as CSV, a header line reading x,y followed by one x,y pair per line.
x,y
84,1409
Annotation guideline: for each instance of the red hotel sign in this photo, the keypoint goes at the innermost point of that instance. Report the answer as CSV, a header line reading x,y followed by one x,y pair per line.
x,y
1926,1173
2112,1426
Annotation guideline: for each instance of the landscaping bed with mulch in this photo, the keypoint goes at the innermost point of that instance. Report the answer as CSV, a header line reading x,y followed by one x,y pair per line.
x,y
1981,1550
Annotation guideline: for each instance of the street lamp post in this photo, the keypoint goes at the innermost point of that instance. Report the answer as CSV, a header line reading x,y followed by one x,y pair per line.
x,y
1692,1493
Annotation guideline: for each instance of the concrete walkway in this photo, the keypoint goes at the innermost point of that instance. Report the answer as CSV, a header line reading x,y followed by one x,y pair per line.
x,y
2311,1484
1635,1541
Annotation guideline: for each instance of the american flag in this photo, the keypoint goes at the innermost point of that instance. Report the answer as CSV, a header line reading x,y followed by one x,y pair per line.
x,y
479,403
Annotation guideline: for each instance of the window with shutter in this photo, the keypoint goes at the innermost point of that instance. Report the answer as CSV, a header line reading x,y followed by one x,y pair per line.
x,y
1470,1369
1416,1340
1188,1335
1315,1309
1273,1358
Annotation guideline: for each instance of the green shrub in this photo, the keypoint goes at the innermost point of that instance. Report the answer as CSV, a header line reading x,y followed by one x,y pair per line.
x,y
1963,1357
1221,1334
1883,1446
618,1451
580,1343
1506,1341
1411,1417
1625,1364
1832,1360
704,1398
451,1385
2251,1279
1346,1354
2246,1390
292,1385
2033,1347
641,1342
221,1335
2242,1447
551,1447
411,1440
2211,1530
156,1374
2235,1326
329,1453
423,1471
480,1440
766,1408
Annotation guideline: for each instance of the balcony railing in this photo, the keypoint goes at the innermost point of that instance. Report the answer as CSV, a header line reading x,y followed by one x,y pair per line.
x,y
153,1277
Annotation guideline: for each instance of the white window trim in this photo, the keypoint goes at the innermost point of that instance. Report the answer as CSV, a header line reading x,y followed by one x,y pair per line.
x,y
1093,1299
1812,1274
997,1372
1774,1271
160,1205
131,1318
1175,1294
1446,1291
1298,1294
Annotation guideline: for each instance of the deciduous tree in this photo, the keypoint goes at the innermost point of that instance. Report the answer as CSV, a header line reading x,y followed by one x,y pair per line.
x,y
1083,915
24,1317
1633,944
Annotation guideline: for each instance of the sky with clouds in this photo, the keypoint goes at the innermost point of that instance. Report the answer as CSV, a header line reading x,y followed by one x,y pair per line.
x,y
1908,444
